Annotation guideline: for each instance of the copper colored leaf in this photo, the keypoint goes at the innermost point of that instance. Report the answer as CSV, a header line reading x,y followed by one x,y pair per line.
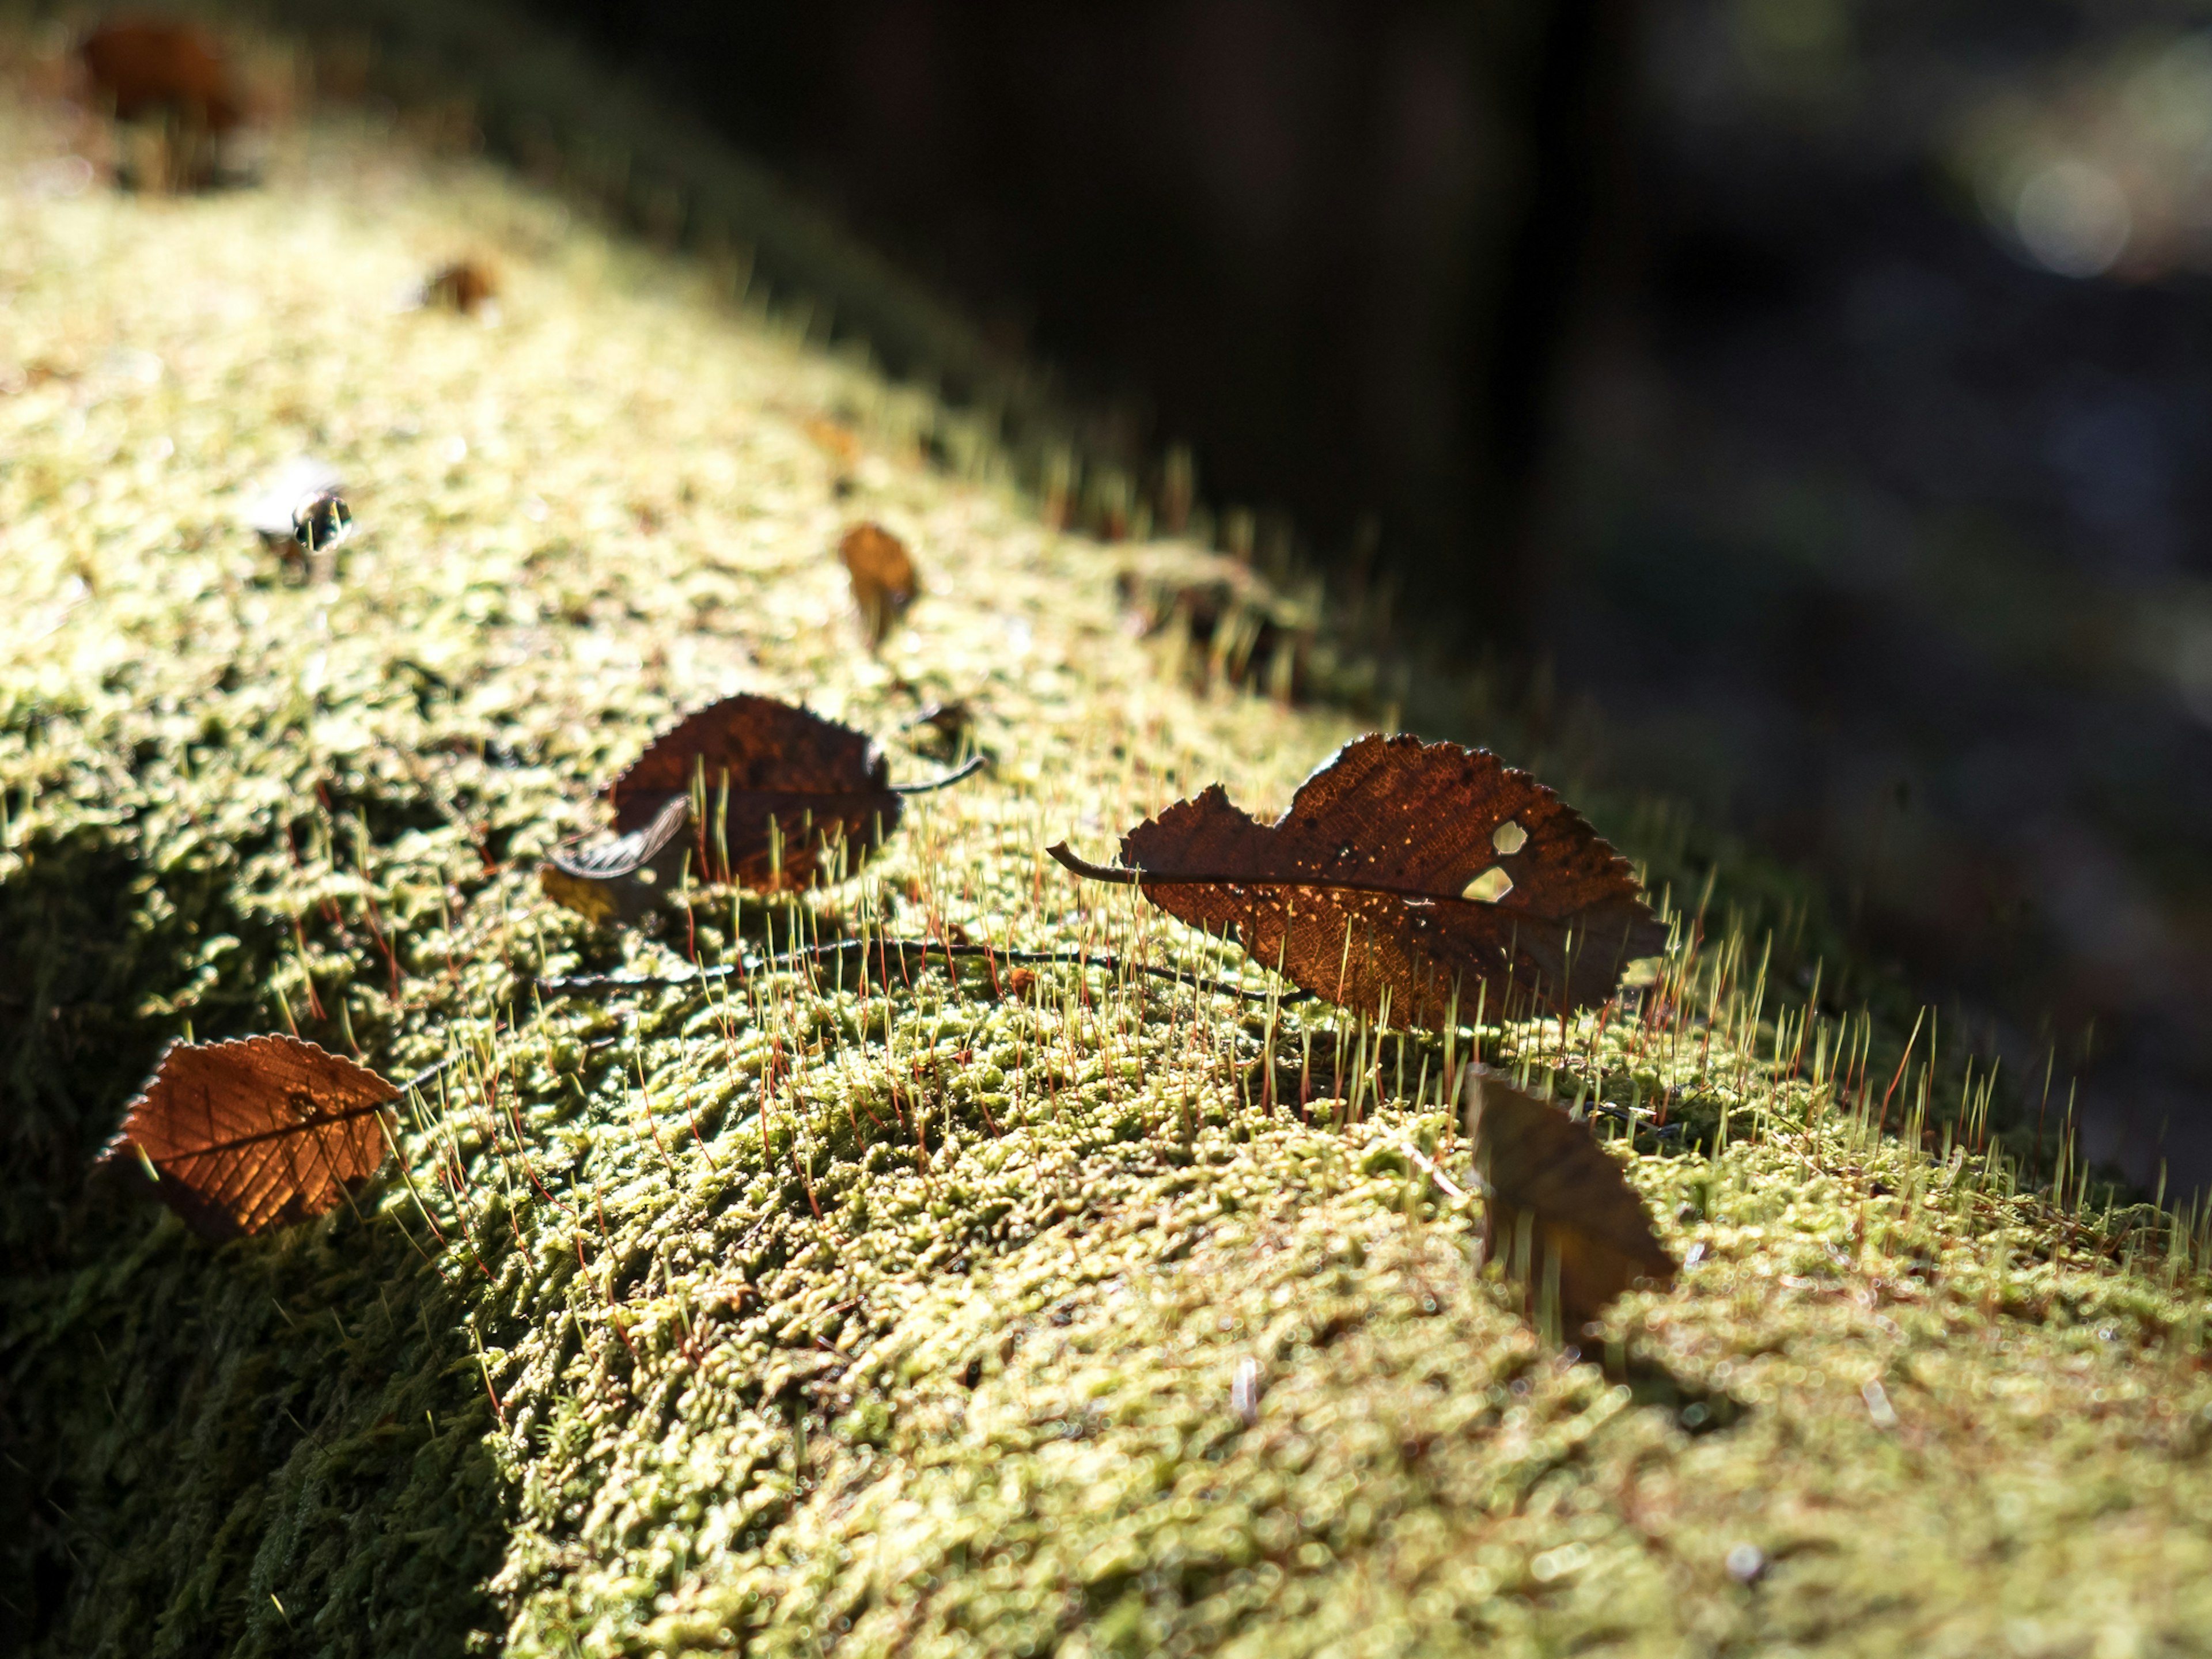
x,y
465,286
1559,1214
255,1133
883,577
154,66
1404,874
784,796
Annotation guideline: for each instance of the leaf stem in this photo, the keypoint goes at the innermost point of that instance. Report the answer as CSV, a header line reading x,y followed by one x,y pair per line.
x,y
975,763
596,984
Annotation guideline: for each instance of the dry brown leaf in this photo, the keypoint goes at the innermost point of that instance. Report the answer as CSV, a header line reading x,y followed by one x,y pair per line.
x,y
1558,1213
884,583
255,1133
773,799
1404,877
465,286
154,66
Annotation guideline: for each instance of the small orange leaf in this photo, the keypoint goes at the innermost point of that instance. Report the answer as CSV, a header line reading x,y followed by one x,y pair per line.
x,y
883,577
834,440
152,66
255,1133
465,286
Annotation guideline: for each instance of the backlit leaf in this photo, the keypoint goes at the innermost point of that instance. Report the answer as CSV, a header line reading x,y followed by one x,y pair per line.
x,y
748,791
255,1133
884,583
1404,877
163,67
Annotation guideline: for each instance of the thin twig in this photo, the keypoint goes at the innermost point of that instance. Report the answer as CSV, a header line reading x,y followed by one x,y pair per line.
x,y
591,984
976,764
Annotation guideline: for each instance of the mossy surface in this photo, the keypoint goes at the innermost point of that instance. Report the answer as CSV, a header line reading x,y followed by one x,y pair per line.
x,y
785,1313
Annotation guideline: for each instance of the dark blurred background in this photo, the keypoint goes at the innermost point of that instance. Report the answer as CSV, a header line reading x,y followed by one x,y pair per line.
x,y
1824,387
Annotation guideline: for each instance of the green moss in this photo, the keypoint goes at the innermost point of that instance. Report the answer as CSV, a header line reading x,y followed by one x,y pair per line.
x,y
788,1313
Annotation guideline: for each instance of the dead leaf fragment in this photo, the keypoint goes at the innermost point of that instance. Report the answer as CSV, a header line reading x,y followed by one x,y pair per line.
x,y
168,86
466,286
1404,877
1222,619
835,440
622,879
141,67
884,583
1559,1212
254,1133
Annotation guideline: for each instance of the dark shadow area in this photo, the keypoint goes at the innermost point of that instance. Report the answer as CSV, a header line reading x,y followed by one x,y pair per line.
x,y
184,1421
1333,249
1878,524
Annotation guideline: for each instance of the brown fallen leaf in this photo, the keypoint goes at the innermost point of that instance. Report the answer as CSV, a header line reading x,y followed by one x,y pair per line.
x,y
465,286
146,66
774,798
1558,1211
254,1133
174,72
883,577
1404,876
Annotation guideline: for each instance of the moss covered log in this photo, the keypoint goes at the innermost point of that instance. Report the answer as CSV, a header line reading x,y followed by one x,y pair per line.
x,y
1069,1311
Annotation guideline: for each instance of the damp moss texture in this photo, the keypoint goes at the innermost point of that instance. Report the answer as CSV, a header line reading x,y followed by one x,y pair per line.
x,y
992,1314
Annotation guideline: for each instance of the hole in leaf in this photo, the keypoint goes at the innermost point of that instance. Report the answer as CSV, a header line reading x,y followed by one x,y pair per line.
x,y
1508,837
1491,885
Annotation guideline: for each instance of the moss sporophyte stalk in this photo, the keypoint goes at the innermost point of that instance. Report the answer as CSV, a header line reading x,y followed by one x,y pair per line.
x,y
1069,1285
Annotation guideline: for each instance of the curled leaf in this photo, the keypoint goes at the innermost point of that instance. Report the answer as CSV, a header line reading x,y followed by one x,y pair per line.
x,y
254,1133
621,881
1558,1213
1404,876
773,799
884,583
